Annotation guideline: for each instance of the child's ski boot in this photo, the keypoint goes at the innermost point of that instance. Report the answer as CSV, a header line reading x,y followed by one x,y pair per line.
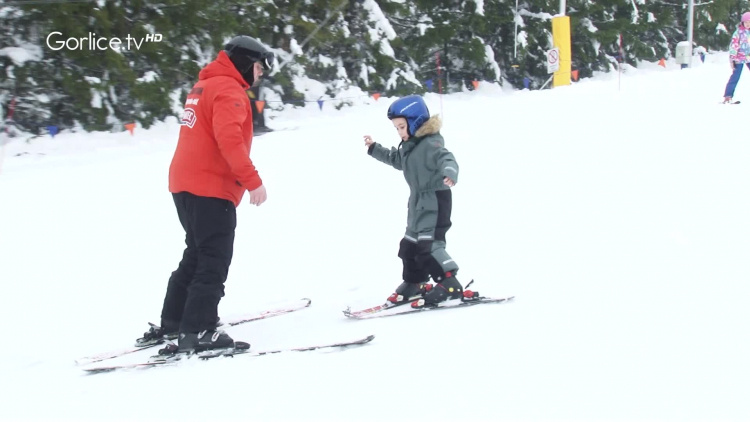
x,y
407,292
446,289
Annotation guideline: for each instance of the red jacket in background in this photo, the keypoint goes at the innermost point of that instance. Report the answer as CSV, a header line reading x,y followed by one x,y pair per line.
x,y
213,152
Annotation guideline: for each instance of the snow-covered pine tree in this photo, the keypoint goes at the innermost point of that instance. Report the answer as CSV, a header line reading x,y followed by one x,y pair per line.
x,y
101,88
386,46
376,66
340,43
715,21
522,48
19,52
451,33
647,31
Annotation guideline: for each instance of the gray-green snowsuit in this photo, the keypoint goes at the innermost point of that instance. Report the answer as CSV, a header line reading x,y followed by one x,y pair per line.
x,y
425,162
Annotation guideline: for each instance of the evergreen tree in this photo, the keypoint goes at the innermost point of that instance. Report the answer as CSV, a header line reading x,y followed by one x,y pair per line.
x,y
102,87
387,46
445,40
716,21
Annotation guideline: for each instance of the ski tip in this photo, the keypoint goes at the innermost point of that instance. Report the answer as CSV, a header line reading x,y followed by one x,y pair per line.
x,y
505,299
351,315
91,371
241,345
308,300
363,340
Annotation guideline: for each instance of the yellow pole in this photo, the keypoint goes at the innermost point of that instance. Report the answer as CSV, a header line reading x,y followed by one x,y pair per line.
x,y
561,40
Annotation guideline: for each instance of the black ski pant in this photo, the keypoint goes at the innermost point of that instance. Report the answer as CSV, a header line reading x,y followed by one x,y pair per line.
x,y
196,287
426,257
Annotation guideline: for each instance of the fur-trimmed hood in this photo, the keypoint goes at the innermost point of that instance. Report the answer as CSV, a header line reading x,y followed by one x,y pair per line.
x,y
430,127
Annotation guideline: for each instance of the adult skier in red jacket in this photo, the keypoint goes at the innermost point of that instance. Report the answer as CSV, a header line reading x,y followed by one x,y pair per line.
x,y
210,172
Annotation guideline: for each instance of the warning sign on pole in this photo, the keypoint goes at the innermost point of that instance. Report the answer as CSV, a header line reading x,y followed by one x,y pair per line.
x,y
553,60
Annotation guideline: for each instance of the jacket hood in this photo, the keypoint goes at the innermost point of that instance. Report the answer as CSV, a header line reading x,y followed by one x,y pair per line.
x,y
430,127
222,66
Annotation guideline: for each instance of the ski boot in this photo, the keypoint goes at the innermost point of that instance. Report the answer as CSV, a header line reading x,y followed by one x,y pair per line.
x,y
406,292
446,289
199,342
204,340
155,335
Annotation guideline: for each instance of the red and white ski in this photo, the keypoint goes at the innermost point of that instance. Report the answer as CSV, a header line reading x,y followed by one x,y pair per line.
x,y
388,309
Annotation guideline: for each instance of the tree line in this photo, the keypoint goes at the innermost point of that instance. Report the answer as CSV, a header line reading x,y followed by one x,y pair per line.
x,y
58,64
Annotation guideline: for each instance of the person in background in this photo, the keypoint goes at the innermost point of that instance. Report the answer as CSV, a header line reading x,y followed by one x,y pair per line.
x,y
739,54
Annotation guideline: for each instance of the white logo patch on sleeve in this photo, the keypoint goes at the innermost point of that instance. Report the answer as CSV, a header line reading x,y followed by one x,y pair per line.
x,y
188,118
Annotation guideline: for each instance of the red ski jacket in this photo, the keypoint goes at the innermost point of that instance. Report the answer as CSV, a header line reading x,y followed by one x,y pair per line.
x,y
213,152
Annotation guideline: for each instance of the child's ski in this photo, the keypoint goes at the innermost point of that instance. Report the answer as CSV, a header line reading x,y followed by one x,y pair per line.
x,y
232,321
243,349
469,298
385,310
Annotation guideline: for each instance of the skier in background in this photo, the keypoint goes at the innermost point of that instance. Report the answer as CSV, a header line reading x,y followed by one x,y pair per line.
x,y
209,174
739,54
430,171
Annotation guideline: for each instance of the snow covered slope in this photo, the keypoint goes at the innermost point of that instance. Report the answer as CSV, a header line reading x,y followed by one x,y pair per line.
x,y
620,220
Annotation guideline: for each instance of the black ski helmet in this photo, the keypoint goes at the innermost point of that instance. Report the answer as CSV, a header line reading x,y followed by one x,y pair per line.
x,y
244,51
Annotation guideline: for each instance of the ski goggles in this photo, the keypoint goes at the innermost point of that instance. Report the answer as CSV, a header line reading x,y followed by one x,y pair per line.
x,y
265,58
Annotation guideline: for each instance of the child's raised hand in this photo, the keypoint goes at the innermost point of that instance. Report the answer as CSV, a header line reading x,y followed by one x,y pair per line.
x,y
448,182
368,140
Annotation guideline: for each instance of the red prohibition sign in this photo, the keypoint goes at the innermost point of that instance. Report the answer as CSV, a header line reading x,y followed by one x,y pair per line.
x,y
553,57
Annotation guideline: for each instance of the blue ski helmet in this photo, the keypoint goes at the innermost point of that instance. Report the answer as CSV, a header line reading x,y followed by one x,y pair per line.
x,y
413,109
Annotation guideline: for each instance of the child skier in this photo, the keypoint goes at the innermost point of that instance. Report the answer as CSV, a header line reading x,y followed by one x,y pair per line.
x,y
739,54
430,171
